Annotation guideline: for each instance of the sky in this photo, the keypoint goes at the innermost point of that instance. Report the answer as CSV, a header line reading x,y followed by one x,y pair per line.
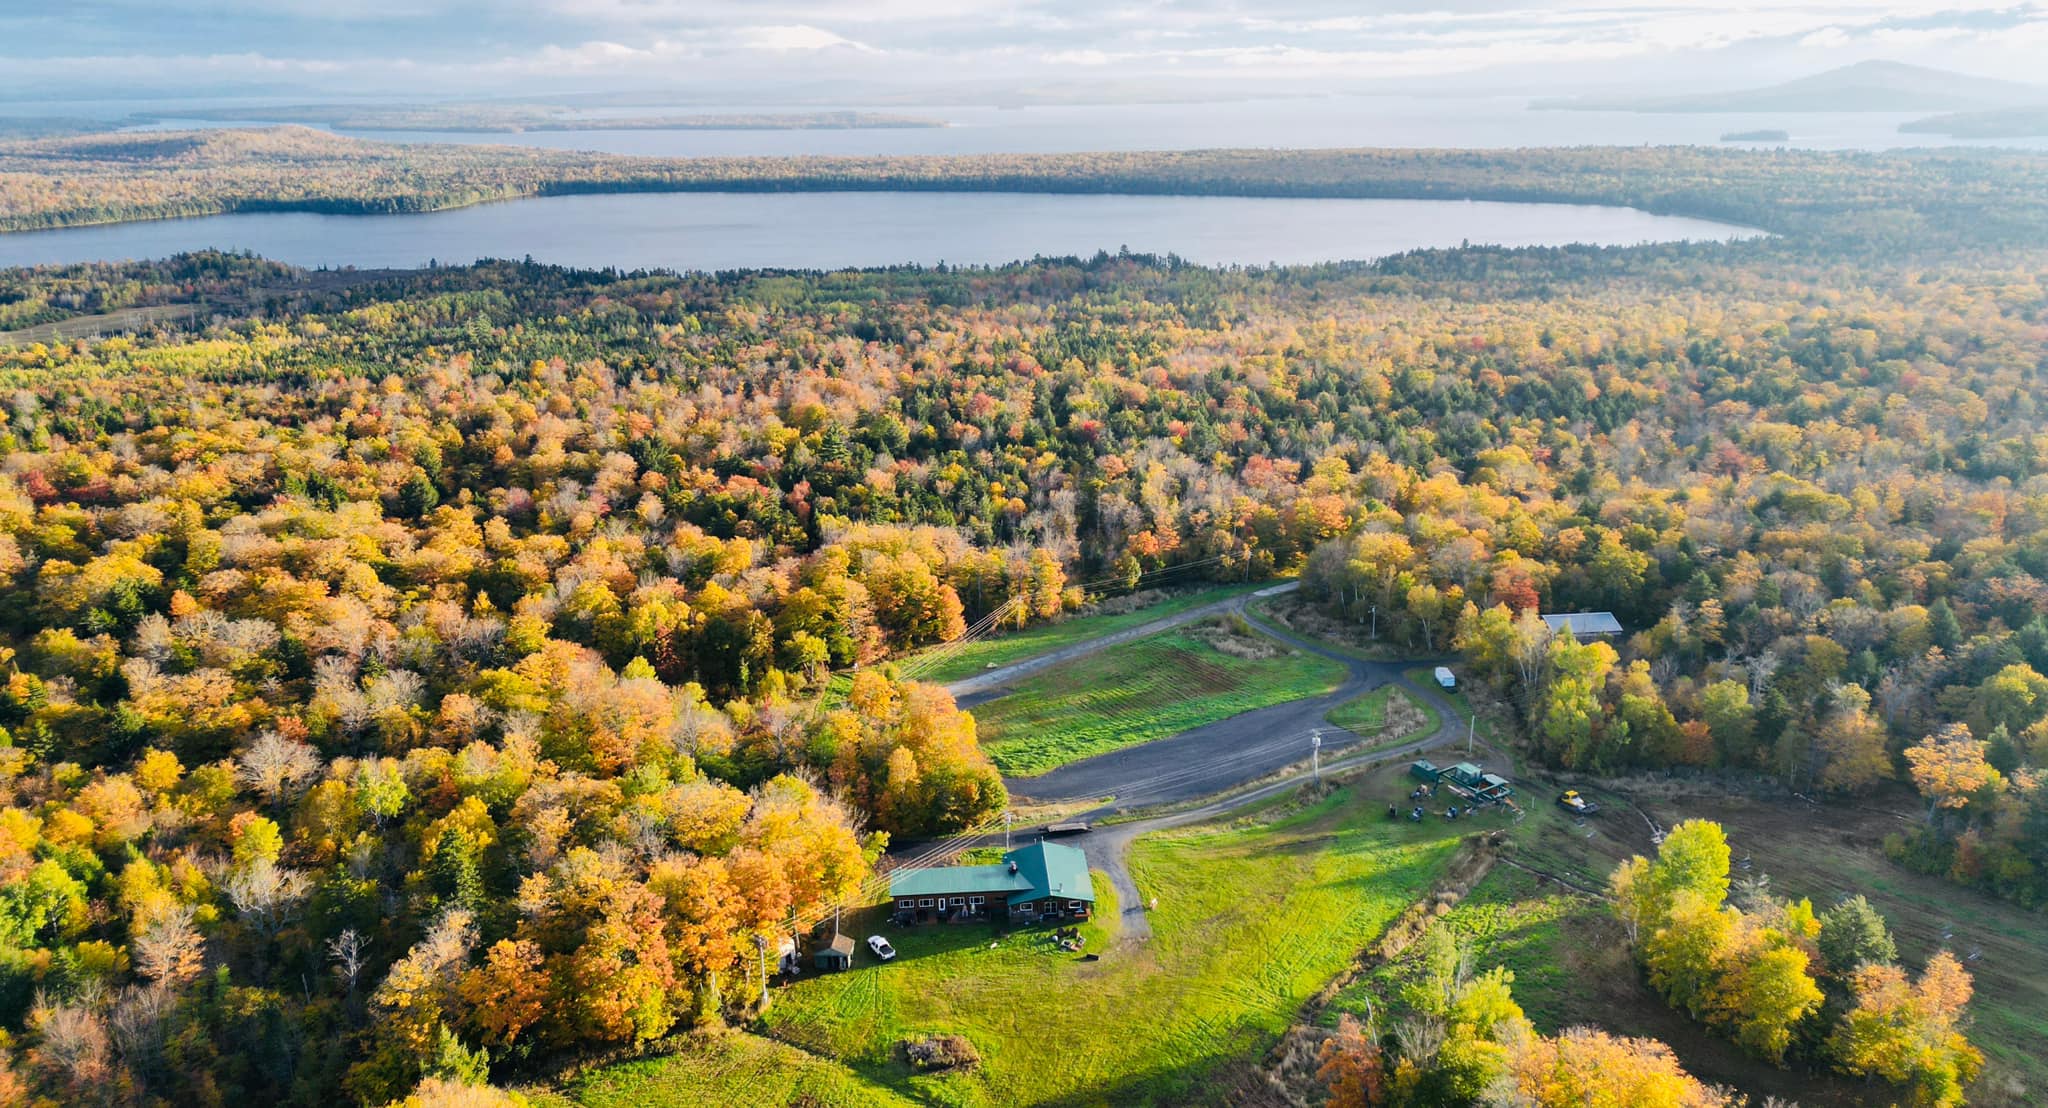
x,y
738,49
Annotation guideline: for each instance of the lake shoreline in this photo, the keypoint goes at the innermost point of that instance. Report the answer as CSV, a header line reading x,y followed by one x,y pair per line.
x,y
830,230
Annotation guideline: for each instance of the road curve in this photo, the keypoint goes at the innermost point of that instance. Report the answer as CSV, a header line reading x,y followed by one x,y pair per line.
x,y
984,687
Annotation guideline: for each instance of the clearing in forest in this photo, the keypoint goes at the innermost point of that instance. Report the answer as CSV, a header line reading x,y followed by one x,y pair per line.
x,y
1145,690
949,662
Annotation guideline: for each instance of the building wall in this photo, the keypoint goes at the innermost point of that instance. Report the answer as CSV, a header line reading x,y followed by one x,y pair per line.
x,y
989,902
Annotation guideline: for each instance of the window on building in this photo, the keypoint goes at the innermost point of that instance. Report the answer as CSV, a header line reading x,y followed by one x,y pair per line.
x,y
925,903
977,901
958,901
906,904
1073,905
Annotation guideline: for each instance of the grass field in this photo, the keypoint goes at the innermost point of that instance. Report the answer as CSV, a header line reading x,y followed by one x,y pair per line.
x,y
1149,689
1386,716
954,663
1253,919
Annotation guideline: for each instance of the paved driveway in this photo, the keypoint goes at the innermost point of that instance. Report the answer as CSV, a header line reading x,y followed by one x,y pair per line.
x,y
1223,755
1209,760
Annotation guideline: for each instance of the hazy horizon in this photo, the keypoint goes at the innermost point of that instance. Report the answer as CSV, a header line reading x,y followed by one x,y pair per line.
x,y
808,51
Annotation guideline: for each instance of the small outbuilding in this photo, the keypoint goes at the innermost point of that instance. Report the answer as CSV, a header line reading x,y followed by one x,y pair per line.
x,y
1425,771
835,955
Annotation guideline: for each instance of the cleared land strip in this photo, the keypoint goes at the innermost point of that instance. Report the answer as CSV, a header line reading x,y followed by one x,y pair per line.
x,y
984,687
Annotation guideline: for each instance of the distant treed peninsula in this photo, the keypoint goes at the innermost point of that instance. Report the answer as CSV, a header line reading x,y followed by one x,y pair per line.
x,y
1998,124
518,118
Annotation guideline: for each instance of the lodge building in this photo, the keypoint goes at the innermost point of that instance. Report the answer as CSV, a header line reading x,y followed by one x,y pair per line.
x,y
1042,881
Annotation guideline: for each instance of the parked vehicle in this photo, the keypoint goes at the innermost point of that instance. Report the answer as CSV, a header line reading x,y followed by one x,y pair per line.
x,y
881,947
1577,805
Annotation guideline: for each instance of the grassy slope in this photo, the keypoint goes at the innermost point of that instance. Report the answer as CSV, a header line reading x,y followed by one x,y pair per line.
x,y
1253,919
1149,689
1002,650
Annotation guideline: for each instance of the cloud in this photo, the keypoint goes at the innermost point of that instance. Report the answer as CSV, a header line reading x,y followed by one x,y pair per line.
x,y
513,45
794,38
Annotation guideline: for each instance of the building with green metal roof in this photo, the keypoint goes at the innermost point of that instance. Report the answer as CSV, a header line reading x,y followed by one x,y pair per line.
x,y
1040,881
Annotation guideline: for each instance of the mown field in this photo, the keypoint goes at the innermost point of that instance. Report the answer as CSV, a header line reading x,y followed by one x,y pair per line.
x,y
1149,689
1255,916
944,664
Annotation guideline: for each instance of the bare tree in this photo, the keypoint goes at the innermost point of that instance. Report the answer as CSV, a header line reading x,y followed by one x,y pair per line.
x,y
170,950
350,951
1761,669
266,894
278,767
136,1023
71,1039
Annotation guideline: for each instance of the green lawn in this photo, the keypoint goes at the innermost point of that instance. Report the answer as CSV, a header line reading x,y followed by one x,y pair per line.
x,y
1016,646
1254,918
1366,717
1149,689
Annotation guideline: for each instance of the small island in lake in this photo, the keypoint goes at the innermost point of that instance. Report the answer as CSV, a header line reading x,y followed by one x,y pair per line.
x,y
1757,136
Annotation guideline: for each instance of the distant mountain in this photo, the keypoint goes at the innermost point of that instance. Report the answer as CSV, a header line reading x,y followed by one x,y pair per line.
x,y
1863,87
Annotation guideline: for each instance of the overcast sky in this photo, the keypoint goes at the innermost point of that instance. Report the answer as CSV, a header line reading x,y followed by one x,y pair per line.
x,y
74,47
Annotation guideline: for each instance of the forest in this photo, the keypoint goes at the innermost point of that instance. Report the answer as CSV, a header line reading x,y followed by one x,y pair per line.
x,y
1983,200
456,672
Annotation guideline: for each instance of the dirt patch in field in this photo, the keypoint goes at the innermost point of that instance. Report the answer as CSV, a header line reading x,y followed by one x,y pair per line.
x,y
1302,616
1233,636
1403,716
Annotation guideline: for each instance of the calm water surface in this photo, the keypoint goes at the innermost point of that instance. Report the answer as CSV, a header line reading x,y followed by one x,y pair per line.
x,y
711,231
1481,122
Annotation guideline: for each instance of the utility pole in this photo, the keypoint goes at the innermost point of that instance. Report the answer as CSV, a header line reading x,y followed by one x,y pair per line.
x,y
1375,623
761,943
1471,722
1315,756
1007,817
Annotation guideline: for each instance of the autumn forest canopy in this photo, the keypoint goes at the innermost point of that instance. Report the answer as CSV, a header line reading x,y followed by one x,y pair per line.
x,y
452,673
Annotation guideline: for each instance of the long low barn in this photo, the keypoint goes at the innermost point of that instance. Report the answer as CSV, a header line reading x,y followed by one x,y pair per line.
x,y
1043,881
1584,625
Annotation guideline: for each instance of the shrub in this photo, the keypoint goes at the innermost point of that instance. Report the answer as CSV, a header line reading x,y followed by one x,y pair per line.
x,y
941,1052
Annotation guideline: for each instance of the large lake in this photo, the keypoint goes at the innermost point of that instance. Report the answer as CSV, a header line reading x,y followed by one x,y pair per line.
x,y
1298,122
833,230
